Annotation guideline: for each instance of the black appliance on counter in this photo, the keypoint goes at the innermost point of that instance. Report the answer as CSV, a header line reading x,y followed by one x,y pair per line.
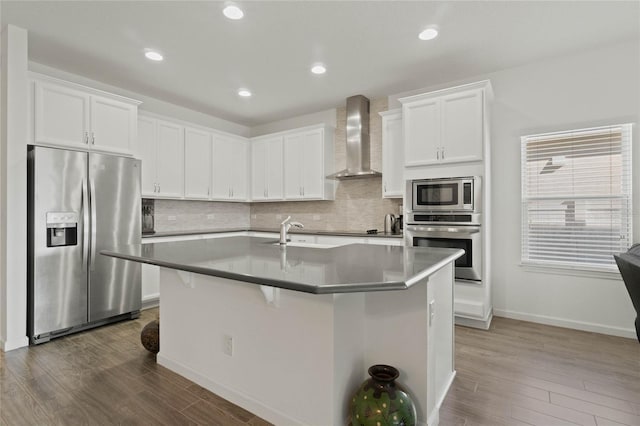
x,y
148,211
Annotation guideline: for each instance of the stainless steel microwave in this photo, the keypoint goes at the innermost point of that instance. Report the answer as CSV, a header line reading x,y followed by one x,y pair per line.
x,y
461,194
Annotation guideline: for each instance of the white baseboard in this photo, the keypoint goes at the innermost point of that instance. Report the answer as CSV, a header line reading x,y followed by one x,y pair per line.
x,y
482,323
561,322
152,301
10,345
238,398
434,418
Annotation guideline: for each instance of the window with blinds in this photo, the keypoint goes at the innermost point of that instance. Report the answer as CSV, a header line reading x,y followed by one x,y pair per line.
x,y
576,197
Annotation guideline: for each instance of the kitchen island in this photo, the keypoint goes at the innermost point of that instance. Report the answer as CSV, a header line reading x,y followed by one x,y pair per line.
x,y
289,332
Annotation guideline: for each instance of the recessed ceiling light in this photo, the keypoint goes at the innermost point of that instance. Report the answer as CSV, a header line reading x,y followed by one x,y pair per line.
x,y
153,55
318,69
245,93
428,34
233,12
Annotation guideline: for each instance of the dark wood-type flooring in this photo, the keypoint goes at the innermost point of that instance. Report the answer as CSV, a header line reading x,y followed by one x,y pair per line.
x,y
517,373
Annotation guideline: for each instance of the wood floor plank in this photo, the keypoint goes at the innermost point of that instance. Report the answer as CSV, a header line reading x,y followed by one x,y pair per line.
x,y
537,419
237,412
173,394
595,409
206,413
157,411
626,393
605,422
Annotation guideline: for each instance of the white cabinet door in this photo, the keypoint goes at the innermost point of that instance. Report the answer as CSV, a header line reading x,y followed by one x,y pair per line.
x,y
259,170
147,152
197,164
170,159
239,169
61,115
462,126
392,155
113,125
274,169
312,163
222,167
293,153
422,132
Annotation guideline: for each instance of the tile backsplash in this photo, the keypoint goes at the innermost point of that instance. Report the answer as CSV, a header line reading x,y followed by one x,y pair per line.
x,y
180,215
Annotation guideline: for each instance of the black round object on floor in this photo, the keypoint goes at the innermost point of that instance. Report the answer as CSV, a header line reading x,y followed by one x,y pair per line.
x,y
150,336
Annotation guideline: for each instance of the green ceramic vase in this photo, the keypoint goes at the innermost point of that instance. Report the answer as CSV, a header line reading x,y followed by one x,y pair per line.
x,y
380,401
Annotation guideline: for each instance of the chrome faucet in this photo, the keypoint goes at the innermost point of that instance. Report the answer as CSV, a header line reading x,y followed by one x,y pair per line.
x,y
284,228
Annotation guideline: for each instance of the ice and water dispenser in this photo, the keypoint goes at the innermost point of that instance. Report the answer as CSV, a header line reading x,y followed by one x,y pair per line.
x,y
62,229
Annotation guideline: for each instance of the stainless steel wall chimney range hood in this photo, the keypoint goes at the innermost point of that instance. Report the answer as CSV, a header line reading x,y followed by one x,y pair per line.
x,y
358,144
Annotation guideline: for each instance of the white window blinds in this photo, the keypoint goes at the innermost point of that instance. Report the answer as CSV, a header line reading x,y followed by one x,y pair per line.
x,y
576,197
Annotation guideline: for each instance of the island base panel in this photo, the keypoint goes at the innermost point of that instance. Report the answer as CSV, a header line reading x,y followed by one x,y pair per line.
x,y
300,361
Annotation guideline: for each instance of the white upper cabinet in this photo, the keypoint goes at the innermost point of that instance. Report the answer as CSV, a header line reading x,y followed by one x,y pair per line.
x,y
308,159
267,171
161,150
74,116
197,164
61,115
462,126
392,154
113,125
447,126
230,168
148,155
170,159
293,155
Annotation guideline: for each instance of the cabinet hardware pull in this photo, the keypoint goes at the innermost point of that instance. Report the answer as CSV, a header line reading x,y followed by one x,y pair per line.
x,y
93,138
86,137
443,152
438,154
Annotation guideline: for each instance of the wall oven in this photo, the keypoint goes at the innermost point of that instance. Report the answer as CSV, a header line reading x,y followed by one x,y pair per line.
x,y
463,236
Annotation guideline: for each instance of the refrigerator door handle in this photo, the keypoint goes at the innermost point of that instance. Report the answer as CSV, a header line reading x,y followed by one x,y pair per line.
x,y
92,188
85,223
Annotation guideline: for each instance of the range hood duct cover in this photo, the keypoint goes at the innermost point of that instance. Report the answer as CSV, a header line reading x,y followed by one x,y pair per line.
x,y
358,143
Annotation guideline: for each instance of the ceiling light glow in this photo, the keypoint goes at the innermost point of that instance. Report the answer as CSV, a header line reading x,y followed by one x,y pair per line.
x,y
233,12
245,93
428,34
318,69
153,55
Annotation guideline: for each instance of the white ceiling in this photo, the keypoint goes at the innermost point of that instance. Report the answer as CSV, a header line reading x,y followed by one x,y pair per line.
x,y
369,48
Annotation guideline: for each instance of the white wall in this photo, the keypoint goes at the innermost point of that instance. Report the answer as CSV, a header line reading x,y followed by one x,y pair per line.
x,y
148,103
327,117
597,87
13,190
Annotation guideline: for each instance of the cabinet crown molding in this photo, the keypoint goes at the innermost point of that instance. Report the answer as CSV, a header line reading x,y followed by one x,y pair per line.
x,y
295,130
483,85
34,76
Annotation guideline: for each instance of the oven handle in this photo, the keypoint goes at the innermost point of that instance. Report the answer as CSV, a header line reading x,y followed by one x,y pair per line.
x,y
452,229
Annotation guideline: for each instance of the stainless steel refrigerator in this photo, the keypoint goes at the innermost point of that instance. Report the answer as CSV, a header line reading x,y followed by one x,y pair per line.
x,y
78,204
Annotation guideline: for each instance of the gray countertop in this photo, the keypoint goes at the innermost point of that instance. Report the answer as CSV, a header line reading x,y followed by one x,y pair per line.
x,y
343,269
274,230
